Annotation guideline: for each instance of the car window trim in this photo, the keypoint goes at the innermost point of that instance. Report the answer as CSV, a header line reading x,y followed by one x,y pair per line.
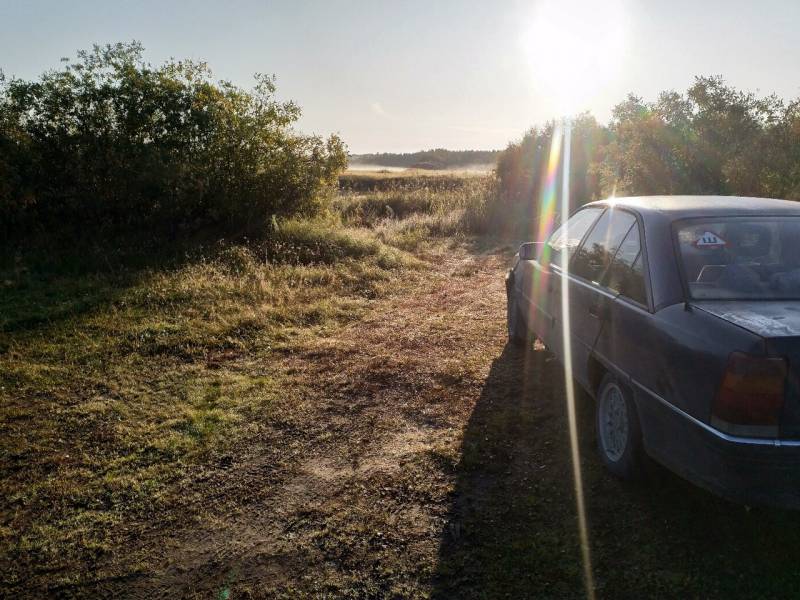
x,y
648,283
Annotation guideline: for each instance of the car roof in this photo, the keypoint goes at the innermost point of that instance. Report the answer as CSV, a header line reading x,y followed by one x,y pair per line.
x,y
673,208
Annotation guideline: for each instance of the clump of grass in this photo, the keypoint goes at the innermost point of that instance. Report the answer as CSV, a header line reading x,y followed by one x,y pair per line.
x,y
303,242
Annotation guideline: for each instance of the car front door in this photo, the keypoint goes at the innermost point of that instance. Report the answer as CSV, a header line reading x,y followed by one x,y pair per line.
x,y
589,301
542,278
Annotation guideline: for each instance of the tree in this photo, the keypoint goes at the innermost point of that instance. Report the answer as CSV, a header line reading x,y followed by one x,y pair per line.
x,y
713,139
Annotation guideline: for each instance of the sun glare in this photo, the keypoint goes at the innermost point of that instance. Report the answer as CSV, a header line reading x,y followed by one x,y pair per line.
x,y
574,47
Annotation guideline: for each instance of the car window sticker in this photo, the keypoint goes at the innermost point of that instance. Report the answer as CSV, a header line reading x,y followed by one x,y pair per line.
x,y
710,240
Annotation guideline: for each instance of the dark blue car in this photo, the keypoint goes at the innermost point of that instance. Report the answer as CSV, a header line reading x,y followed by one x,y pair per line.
x,y
681,317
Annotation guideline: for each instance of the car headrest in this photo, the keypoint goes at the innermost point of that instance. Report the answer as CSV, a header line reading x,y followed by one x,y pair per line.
x,y
749,240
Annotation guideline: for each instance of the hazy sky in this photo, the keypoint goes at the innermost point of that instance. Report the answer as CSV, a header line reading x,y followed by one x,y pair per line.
x,y
403,76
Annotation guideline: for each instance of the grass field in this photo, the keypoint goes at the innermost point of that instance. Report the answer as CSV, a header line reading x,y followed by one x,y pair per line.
x,y
117,383
331,413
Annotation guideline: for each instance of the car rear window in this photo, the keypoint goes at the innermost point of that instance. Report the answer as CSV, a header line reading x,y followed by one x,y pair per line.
x,y
741,257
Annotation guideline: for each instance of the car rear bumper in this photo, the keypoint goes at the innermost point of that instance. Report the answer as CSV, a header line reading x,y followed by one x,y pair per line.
x,y
747,470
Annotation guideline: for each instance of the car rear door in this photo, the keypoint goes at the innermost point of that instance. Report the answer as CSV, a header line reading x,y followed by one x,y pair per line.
x,y
628,341
589,301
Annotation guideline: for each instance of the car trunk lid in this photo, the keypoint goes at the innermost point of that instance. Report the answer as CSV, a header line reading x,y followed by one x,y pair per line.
x,y
778,322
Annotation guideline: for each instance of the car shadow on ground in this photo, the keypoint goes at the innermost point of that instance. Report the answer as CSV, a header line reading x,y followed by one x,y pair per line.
x,y
512,527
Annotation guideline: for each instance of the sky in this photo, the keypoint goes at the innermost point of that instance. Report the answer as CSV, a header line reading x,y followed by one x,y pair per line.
x,y
403,76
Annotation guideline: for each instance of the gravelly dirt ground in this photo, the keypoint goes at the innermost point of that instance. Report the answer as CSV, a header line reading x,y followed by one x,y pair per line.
x,y
422,457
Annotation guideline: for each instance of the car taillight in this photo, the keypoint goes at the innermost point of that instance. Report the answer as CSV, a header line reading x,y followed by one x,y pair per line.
x,y
750,398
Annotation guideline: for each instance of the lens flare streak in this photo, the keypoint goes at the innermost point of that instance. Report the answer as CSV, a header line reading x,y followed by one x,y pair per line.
x,y
546,221
549,208
568,380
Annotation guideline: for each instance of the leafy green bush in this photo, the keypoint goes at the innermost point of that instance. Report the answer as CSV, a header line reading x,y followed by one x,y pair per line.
x,y
110,143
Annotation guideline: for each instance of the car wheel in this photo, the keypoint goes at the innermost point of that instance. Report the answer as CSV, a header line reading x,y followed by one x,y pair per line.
x,y
619,436
517,329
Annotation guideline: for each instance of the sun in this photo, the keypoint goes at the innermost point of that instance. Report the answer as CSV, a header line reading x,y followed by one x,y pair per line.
x,y
573,49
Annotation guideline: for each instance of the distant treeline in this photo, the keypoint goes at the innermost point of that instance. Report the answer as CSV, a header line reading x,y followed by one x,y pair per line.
x,y
109,144
438,158
713,139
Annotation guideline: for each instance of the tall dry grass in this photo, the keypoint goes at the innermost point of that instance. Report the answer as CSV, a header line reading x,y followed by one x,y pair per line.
x,y
410,211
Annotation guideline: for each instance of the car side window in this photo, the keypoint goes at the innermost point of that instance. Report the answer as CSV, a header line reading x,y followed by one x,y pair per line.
x,y
626,273
594,256
566,238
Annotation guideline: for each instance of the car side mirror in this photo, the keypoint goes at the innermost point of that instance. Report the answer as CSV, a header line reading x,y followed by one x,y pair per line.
x,y
529,250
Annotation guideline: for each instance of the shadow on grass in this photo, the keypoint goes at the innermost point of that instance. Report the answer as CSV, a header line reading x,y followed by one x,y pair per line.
x,y
46,284
512,529
53,279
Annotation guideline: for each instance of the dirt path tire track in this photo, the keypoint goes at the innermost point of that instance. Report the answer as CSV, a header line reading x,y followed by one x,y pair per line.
x,y
356,500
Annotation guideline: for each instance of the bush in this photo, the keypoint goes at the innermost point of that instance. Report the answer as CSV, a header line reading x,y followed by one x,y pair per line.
x,y
110,143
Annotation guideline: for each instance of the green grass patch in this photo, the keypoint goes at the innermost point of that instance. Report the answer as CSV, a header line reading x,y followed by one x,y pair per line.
x,y
115,385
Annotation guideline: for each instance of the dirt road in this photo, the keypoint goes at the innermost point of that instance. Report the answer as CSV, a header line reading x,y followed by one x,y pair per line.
x,y
422,457
352,495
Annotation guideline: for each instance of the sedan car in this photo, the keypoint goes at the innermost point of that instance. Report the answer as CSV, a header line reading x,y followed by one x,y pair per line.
x,y
680,316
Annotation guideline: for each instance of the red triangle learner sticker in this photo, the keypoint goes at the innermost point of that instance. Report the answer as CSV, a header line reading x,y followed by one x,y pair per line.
x,y
709,239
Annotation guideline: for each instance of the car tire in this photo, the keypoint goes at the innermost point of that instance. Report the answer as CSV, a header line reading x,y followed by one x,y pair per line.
x,y
619,435
518,334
